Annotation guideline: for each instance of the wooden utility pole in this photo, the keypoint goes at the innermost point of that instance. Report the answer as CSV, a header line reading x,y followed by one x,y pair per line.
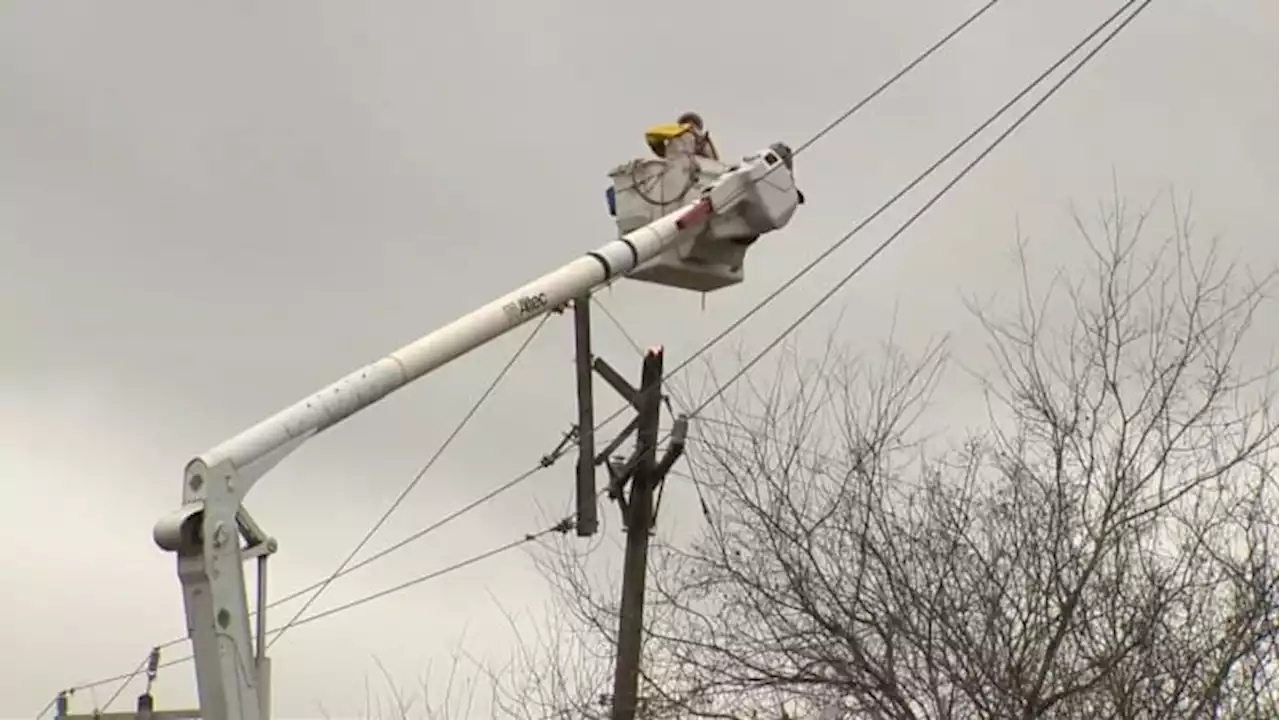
x,y
643,471
638,511
587,523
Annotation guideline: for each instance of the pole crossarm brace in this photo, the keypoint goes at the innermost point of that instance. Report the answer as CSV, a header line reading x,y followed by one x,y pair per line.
x,y
617,382
617,442
620,472
675,447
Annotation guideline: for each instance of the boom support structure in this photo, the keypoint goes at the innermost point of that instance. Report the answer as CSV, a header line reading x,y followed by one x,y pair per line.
x,y
232,670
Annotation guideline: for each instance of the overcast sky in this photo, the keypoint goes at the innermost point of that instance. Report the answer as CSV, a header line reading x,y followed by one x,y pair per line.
x,y
210,210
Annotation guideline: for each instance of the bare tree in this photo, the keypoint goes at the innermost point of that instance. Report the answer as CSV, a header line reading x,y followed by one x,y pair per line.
x,y
555,673
1102,547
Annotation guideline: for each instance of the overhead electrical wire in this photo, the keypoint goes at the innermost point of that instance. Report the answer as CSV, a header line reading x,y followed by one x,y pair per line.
x,y
853,109
416,535
563,526
417,478
123,684
613,319
889,82
986,151
617,324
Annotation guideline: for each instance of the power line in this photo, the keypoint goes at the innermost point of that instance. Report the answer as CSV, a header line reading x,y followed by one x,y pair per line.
x,y
562,527
617,324
613,319
897,76
125,683
418,534
416,479
950,184
896,196
892,79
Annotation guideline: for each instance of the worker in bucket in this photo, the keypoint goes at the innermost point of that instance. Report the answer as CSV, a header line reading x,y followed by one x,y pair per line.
x,y
658,136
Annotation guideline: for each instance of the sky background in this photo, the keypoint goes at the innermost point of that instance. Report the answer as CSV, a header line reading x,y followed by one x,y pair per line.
x,y
210,210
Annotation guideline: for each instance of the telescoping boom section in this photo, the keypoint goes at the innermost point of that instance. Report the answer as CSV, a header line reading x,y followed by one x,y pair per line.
x,y
746,200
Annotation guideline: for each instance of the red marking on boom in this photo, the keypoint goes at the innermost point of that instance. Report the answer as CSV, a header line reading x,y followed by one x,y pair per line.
x,y
694,214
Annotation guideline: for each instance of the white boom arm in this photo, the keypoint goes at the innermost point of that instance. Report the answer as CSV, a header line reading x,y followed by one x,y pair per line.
x,y
233,677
